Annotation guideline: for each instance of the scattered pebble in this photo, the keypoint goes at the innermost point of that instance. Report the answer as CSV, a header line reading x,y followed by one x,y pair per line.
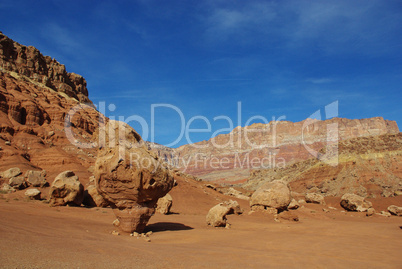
x,y
115,233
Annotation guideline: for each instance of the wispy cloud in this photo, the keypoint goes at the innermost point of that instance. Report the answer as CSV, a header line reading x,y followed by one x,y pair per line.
x,y
320,80
333,26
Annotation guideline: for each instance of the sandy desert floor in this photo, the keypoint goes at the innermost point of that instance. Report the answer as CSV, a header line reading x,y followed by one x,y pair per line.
x,y
34,235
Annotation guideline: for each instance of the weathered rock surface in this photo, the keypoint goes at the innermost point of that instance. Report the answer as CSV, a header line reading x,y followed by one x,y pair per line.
x,y
33,194
395,210
367,166
353,202
275,194
10,173
17,182
164,204
28,61
93,199
130,177
36,178
216,216
315,198
269,145
66,189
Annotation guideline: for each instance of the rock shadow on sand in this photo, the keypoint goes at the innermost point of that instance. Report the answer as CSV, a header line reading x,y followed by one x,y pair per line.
x,y
167,226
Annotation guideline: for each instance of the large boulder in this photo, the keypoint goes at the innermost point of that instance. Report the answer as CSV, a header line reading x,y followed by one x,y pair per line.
x,y
164,204
315,198
395,210
36,178
130,177
354,202
92,198
275,194
66,189
216,216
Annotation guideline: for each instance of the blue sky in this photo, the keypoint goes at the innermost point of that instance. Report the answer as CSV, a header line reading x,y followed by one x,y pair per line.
x,y
278,58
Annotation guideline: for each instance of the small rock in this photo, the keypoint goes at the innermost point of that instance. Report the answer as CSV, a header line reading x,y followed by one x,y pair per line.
x,y
33,194
8,143
301,201
7,188
288,215
164,204
384,214
370,212
315,198
395,210
136,234
216,216
116,223
325,210
115,233
36,178
10,173
353,202
50,134
275,194
17,182
333,208
293,204
66,189
147,239
148,233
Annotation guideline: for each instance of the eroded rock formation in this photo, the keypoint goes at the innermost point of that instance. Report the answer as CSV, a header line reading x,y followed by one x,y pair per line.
x,y
130,177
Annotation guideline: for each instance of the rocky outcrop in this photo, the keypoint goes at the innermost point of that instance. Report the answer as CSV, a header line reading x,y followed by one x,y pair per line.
x,y
274,194
269,145
66,189
29,62
216,216
164,204
130,177
353,202
367,166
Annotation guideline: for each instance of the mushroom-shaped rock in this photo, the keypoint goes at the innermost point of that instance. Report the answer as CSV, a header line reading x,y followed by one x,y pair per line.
x,y
93,198
66,189
315,198
353,202
164,204
275,194
130,177
33,194
395,210
216,216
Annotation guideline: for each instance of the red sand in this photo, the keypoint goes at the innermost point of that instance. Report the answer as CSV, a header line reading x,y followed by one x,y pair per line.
x,y
34,235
